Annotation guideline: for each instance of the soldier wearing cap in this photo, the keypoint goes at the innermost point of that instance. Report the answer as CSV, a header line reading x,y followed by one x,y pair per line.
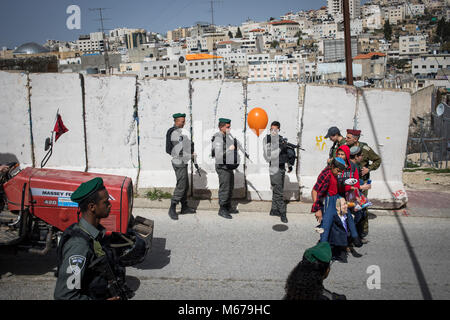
x,y
276,154
82,244
225,151
178,145
334,134
370,161
305,282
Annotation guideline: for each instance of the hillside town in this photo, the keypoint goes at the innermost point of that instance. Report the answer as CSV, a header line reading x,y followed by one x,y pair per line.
x,y
393,41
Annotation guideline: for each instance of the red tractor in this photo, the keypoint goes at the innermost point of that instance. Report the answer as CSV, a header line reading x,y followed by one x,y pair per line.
x,y
35,207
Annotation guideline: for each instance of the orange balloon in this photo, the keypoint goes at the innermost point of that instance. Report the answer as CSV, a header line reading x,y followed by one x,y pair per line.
x,y
257,120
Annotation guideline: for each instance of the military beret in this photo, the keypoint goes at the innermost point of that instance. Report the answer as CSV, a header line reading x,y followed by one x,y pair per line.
x,y
179,115
224,120
355,150
87,189
320,252
354,132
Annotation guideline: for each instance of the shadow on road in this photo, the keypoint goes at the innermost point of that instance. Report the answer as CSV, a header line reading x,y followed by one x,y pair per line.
x,y
24,263
158,258
415,262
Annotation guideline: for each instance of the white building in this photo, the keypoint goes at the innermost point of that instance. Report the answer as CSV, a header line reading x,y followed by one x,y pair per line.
x,y
430,64
395,14
373,18
283,29
204,66
92,43
335,9
412,45
327,29
414,10
153,69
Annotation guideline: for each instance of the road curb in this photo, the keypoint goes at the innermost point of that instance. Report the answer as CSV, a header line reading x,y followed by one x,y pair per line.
x,y
291,207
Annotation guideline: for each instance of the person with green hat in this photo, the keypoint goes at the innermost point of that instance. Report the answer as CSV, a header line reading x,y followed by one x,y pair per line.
x,y
225,151
84,243
305,281
179,146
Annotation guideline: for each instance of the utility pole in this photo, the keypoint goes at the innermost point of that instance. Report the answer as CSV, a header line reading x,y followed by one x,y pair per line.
x,y
348,43
105,43
213,40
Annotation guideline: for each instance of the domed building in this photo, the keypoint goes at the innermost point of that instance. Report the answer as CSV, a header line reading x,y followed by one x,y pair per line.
x,y
30,48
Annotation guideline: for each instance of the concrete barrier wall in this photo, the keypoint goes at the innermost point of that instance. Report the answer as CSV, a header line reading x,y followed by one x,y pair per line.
x,y
212,100
50,92
281,103
324,107
157,101
117,143
15,135
111,130
383,117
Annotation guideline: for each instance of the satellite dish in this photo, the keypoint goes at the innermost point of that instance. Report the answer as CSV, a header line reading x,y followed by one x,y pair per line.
x,y
440,109
181,60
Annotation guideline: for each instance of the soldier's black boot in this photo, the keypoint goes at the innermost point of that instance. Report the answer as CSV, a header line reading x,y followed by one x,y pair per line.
x,y
185,209
283,217
173,211
231,209
274,212
223,212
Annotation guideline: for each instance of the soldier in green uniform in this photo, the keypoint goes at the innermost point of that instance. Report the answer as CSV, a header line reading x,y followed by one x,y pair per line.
x,y
178,146
275,152
334,134
83,248
225,151
370,161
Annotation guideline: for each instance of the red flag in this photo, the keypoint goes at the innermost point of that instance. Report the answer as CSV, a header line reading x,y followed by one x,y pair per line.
x,y
59,128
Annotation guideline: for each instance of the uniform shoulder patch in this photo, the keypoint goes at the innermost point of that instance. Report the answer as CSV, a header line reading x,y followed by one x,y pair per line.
x,y
76,263
366,147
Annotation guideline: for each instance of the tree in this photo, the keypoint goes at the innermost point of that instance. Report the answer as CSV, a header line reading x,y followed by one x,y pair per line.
x,y
230,34
387,30
274,44
443,31
238,33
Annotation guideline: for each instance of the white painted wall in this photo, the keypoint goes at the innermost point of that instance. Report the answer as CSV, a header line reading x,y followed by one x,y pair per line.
x,y
110,127
280,101
112,131
50,92
212,100
15,139
158,100
325,107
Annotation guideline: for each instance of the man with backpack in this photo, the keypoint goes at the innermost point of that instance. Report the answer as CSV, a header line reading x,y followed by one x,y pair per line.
x,y
276,152
225,151
178,146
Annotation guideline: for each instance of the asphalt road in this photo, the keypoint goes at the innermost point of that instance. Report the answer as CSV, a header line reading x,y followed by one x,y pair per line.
x,y
203,256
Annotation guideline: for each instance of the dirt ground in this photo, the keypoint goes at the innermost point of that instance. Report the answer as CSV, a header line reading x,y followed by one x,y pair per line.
x,y
421,180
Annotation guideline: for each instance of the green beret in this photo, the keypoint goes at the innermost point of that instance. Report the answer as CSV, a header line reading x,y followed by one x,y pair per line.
x,y
224,120
320,252
179,115
86,189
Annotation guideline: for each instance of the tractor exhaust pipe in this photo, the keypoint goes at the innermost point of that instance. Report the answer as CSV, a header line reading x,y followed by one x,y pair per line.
x,y
48,245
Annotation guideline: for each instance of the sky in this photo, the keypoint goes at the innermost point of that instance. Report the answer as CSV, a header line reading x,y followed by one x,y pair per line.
x,y
39,20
